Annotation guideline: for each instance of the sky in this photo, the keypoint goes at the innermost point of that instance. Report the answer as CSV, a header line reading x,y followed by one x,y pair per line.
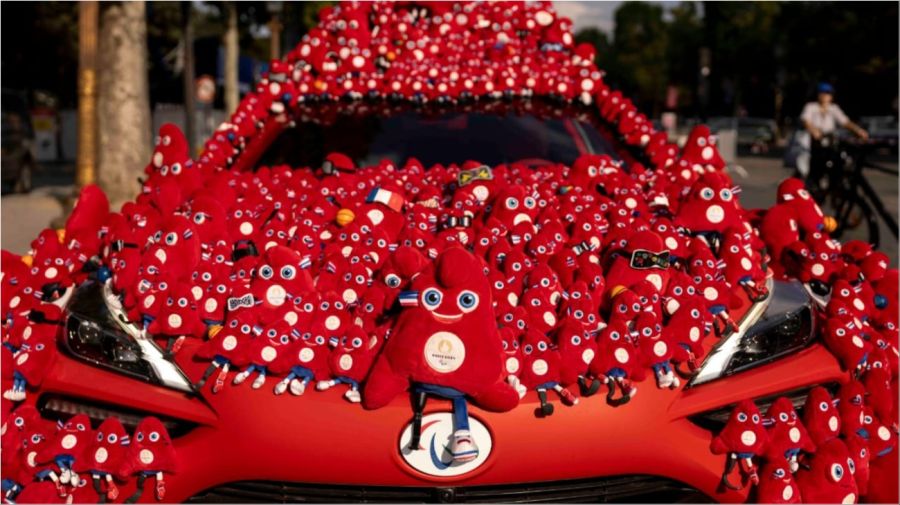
x,y
599,14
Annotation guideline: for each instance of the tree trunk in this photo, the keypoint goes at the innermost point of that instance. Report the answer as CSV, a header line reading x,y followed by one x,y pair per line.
x,y
86,166
231,58
190,110
124,104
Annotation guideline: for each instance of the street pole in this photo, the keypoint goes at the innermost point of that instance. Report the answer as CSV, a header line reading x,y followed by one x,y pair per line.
x,y
232,55
86,164
189,107
275,40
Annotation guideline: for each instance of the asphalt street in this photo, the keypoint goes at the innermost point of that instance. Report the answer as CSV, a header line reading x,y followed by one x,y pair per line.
x,y
24,216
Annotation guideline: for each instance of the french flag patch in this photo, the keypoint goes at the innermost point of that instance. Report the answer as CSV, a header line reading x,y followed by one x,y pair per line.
x,y
389,198
409,299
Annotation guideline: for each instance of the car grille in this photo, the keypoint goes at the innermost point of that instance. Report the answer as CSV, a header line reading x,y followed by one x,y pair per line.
x,y
622,489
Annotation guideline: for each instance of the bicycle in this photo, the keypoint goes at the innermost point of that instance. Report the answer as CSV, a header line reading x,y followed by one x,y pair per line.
x,y
843,189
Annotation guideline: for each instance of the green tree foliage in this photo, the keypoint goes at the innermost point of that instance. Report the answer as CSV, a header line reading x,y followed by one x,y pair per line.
x,y
757,50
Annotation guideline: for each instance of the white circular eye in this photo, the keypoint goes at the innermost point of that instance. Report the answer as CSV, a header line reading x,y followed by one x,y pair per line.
x,y
288,272
823,406
707,193
841,332
308,307
576,340
695,313
199,218
164,170
79,427
467,301
360,279
112,438
528,349
154,436
545,282
529,202
206,276
678,290
742,417
614,335
176,168
357,342
171,238
783,417
99,436
35,439
647,332
431,298
701,141
780,473
755,418
726,194
20,422
221,289
182,302
498,285
851,465
804,194
845,292
245,328
266,272
512,203
542,346
837,472
320,340
578,314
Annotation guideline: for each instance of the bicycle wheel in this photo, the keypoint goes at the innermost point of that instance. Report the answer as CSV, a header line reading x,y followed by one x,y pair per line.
x,y
855,218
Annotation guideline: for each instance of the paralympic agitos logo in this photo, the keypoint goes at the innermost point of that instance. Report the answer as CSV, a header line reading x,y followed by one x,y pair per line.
x,y
433,455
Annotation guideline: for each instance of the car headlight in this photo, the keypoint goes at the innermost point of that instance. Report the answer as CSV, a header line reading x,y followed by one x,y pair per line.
x,y
97,331
775,327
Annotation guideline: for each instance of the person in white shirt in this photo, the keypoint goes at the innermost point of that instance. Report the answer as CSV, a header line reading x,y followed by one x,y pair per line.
x,y
820,118
824,116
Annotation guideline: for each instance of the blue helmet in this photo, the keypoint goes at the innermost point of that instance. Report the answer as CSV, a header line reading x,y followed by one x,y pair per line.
x,y
825,87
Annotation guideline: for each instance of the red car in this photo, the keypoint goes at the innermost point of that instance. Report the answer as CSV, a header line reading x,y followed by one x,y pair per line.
x,y
243,444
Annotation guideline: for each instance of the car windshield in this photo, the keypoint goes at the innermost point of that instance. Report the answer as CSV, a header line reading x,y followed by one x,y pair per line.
x,y
492,134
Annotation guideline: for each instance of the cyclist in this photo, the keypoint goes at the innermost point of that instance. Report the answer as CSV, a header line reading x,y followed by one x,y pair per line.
x,y
822,118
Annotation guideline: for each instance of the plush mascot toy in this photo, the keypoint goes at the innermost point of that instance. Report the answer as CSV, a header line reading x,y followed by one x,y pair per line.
x,y
105,457
776,484
445,343
820,416
830,475
787,435
742,438
150,454
68,447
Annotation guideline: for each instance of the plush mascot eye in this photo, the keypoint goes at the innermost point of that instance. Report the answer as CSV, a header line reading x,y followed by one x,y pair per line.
x,y
614,335
542,346
647,332
139,437
701,142
182,302
112,438
431,298
725,194
505,345
576,340
467,301
35,439
579,314
176,168
527,349
783,416
288,272
512,203
99,436
837,472
520,325
823,406
338,305
266,272
529,202
851,465
320,340
841,332
755,418
154,436
707,193
20,422
742,417
171,238
779,473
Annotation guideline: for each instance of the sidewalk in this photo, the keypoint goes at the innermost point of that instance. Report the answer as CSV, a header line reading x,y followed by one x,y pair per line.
x,y
24,216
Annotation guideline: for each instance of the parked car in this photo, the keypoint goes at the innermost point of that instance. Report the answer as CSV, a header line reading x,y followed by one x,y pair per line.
x,y
18,143
328,148
755,135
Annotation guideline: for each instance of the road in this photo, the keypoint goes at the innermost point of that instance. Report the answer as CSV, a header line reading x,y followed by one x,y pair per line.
x,y
24,216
